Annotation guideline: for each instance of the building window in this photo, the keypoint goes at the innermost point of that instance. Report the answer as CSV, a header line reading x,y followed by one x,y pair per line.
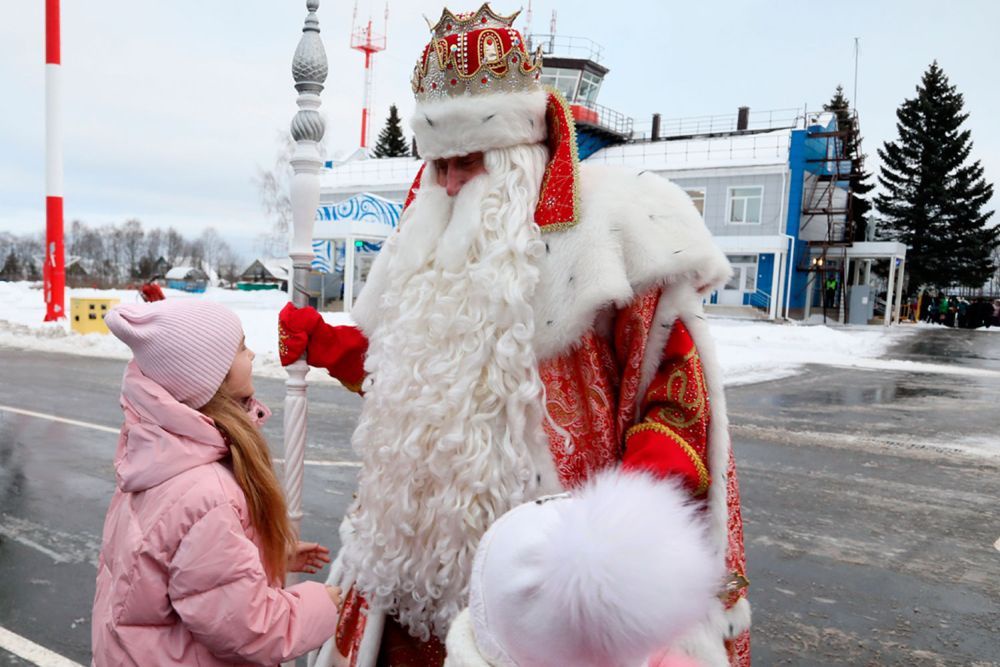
x,y
744,273
590,84
562,79
697,196
745,204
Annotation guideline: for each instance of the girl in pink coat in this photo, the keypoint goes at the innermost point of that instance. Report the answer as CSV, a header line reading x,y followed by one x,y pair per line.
x,y
197,541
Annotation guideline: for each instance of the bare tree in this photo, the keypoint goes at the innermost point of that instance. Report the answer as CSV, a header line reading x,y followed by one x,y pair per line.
x,y
212,246
133,239
273,185
174,245
154,243
229,265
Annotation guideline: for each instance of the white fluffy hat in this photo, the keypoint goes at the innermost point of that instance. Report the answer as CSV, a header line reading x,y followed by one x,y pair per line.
x,y
604,577
476,87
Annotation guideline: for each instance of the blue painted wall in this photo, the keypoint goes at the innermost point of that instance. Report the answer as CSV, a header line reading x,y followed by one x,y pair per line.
x,y
796,184
765,270
588,143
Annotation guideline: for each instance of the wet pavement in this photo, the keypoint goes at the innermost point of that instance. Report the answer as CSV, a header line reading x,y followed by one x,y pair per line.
x,y
869,501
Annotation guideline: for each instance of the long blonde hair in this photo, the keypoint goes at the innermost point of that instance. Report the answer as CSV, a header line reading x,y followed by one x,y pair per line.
x,y
255,475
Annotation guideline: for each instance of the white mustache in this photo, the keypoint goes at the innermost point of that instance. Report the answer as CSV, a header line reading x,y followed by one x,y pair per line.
x,y
463,227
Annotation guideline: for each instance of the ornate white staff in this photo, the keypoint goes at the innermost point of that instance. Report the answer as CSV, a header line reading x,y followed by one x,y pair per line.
x,y
309,70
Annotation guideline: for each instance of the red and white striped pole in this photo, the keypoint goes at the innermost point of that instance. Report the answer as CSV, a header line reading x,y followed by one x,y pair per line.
x,y
54,271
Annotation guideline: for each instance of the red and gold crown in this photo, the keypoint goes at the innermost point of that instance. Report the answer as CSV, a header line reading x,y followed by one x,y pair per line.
x,y
475,53
476,87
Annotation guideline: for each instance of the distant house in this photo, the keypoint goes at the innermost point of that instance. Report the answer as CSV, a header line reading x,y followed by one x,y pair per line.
x,y
78,272
187,278
265,274
160,267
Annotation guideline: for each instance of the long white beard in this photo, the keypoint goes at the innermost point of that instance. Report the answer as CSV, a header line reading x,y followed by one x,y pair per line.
x,y
450,434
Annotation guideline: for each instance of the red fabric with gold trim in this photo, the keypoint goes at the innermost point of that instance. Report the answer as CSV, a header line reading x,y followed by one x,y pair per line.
x,y
559,198
466,53
397,646
580,391
295,325
592,393
400,649
675,412
351,625
631,333
736,562
665,454
412,192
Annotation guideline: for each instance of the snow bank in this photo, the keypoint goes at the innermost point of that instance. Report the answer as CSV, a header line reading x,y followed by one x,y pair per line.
x,y
749,351
760,351
22,310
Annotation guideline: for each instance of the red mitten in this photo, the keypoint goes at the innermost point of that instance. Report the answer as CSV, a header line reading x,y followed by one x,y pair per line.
x,y
295,325
341,351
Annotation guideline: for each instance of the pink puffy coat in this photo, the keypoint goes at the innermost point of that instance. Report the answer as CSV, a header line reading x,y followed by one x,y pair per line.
x,y
180,579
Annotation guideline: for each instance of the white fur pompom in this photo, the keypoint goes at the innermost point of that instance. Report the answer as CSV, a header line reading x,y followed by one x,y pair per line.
x,y
628,568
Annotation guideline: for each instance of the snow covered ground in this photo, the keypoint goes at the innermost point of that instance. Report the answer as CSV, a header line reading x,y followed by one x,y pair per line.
x,y
750,351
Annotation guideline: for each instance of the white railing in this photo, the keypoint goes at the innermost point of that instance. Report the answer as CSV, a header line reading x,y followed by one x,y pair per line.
x,y
736,147
770,119
374,170
569,47
761,299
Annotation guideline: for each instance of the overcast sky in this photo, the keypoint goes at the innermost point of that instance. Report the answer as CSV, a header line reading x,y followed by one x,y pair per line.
x,y
171,107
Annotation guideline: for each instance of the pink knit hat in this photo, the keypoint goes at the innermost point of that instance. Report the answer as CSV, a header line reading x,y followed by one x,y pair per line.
x,y
187,346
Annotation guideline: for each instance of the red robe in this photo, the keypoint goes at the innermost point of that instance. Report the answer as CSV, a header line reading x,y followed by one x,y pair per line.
x,y
601,390
592,392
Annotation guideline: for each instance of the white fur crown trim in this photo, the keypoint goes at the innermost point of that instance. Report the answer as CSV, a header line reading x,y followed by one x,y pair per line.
x,y
462,125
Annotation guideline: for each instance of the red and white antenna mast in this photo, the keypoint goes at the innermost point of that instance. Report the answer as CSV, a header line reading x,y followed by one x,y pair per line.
x,y
527,26
54,271
363,40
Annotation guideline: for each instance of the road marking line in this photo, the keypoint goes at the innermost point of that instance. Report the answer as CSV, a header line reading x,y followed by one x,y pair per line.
x,y
32,652
62,420
57,557
108,429
328,464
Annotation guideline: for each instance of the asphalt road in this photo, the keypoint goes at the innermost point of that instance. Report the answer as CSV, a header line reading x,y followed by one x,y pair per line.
x,y
869,536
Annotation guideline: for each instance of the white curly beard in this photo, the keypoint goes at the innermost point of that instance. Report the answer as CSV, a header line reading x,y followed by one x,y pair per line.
x,y
450,434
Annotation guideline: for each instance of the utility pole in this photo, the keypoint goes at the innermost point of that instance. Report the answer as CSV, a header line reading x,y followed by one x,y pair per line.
x,y
363,40
54,271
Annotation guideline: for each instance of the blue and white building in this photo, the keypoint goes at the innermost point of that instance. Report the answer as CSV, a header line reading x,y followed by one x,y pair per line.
x,y
770,186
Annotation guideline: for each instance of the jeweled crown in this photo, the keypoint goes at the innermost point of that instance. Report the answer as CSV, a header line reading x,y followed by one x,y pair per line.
x,y
473,54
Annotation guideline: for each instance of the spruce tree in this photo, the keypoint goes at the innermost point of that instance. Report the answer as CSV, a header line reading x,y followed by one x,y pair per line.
x,y
847,121
933,195
11,268
391,142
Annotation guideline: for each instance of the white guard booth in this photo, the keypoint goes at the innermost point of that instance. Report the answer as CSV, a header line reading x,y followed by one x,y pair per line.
x,y
348,235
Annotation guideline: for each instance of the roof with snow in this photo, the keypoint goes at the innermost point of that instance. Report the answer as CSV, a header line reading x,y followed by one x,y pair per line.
x,y
761,148
370,175
185,273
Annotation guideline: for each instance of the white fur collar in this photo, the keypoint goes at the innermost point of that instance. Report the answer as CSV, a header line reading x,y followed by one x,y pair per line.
x,y
636,230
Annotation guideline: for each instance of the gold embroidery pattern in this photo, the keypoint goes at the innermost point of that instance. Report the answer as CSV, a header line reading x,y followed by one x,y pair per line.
x,y
686,403
703,478
282,337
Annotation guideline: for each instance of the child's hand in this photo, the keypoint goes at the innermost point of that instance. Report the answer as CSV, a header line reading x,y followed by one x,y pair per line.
x,y
308,557
334,594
